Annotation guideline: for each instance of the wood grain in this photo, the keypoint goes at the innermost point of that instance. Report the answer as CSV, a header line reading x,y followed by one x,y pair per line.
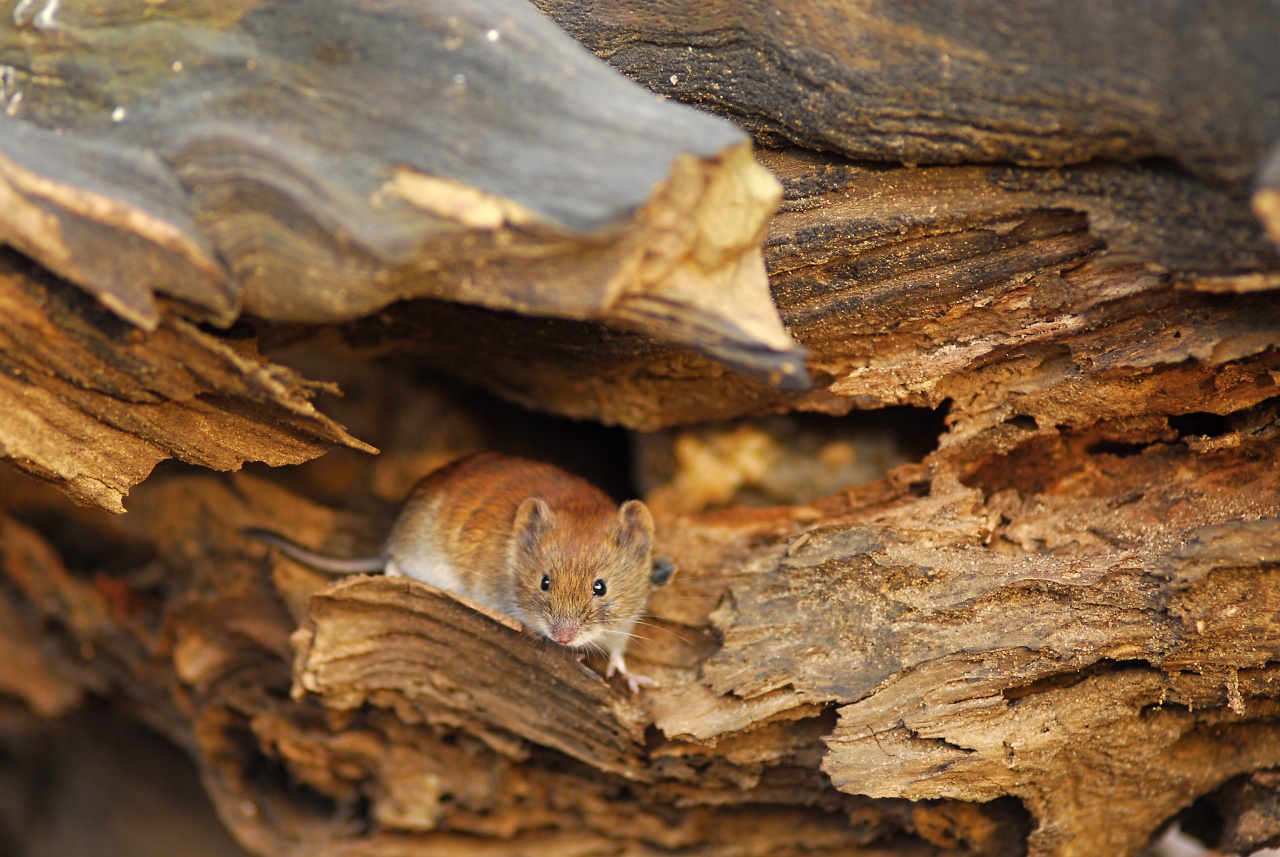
x,y
933,83
316,162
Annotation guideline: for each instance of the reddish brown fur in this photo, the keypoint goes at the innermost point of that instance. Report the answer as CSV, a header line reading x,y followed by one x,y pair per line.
x,y
480,515
491,526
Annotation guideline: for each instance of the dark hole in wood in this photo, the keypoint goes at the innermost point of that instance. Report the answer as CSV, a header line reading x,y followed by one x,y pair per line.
x,y
1241,816
1059,681
918,429
1203,821
240,330
1022,421
1115,448
1199,424
920,488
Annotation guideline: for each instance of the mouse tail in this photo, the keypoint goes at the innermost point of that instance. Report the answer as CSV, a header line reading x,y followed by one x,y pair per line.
x,y
313,560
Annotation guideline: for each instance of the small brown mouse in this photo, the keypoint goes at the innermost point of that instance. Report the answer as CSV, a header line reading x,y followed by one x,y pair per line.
x,y
527,539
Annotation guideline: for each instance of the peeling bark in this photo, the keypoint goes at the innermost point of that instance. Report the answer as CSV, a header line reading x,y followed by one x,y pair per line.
x,y
317,161
1061,296
92,405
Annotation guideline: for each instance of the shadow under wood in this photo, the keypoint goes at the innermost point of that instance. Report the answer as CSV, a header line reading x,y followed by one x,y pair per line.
x,y
99,783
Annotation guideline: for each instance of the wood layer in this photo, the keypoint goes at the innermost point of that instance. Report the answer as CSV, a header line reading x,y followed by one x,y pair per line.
x,y
1003,291
91,404
930,82
317,161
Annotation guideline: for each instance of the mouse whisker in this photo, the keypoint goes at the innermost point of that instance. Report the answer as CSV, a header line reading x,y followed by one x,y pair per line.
x,y
643,642
665,629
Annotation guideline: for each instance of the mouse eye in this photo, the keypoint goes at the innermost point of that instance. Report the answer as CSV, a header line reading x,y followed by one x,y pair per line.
x,y
546,582
598,588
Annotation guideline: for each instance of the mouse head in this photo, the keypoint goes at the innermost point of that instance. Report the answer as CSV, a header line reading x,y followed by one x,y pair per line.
x,y
578,576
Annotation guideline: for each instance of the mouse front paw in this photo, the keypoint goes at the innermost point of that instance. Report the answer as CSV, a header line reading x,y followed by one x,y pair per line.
x,y
619,666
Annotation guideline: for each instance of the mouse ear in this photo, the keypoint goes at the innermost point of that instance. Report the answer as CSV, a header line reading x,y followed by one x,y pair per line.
x,y
663,570
533,519
637,524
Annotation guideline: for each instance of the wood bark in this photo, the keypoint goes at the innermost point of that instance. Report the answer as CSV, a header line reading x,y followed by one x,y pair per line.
x,y
1086,272
315,162
928,82
91,404
1053,633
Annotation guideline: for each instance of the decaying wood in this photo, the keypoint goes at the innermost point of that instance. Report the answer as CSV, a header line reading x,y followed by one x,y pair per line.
x,y
160,180
426,748
933,83
1070,627
904,283
317,161
370,625
91,404
1247,808
1052,634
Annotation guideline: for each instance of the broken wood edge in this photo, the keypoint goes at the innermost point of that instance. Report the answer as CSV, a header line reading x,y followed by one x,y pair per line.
x,y
686,268
697,276
94,403
43,211
370,638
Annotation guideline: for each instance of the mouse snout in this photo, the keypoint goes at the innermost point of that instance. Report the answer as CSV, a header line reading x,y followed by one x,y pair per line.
x,y
564,632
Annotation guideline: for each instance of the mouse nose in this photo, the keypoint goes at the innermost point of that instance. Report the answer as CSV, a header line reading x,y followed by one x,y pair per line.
x,y
564,633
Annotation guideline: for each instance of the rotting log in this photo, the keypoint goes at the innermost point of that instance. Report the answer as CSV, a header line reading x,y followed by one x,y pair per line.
x,y
929,82
1054,634
317,161
1086,628
1079,545
919,286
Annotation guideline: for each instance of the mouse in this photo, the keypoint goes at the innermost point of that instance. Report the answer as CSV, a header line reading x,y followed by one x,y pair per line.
x,y
525,538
